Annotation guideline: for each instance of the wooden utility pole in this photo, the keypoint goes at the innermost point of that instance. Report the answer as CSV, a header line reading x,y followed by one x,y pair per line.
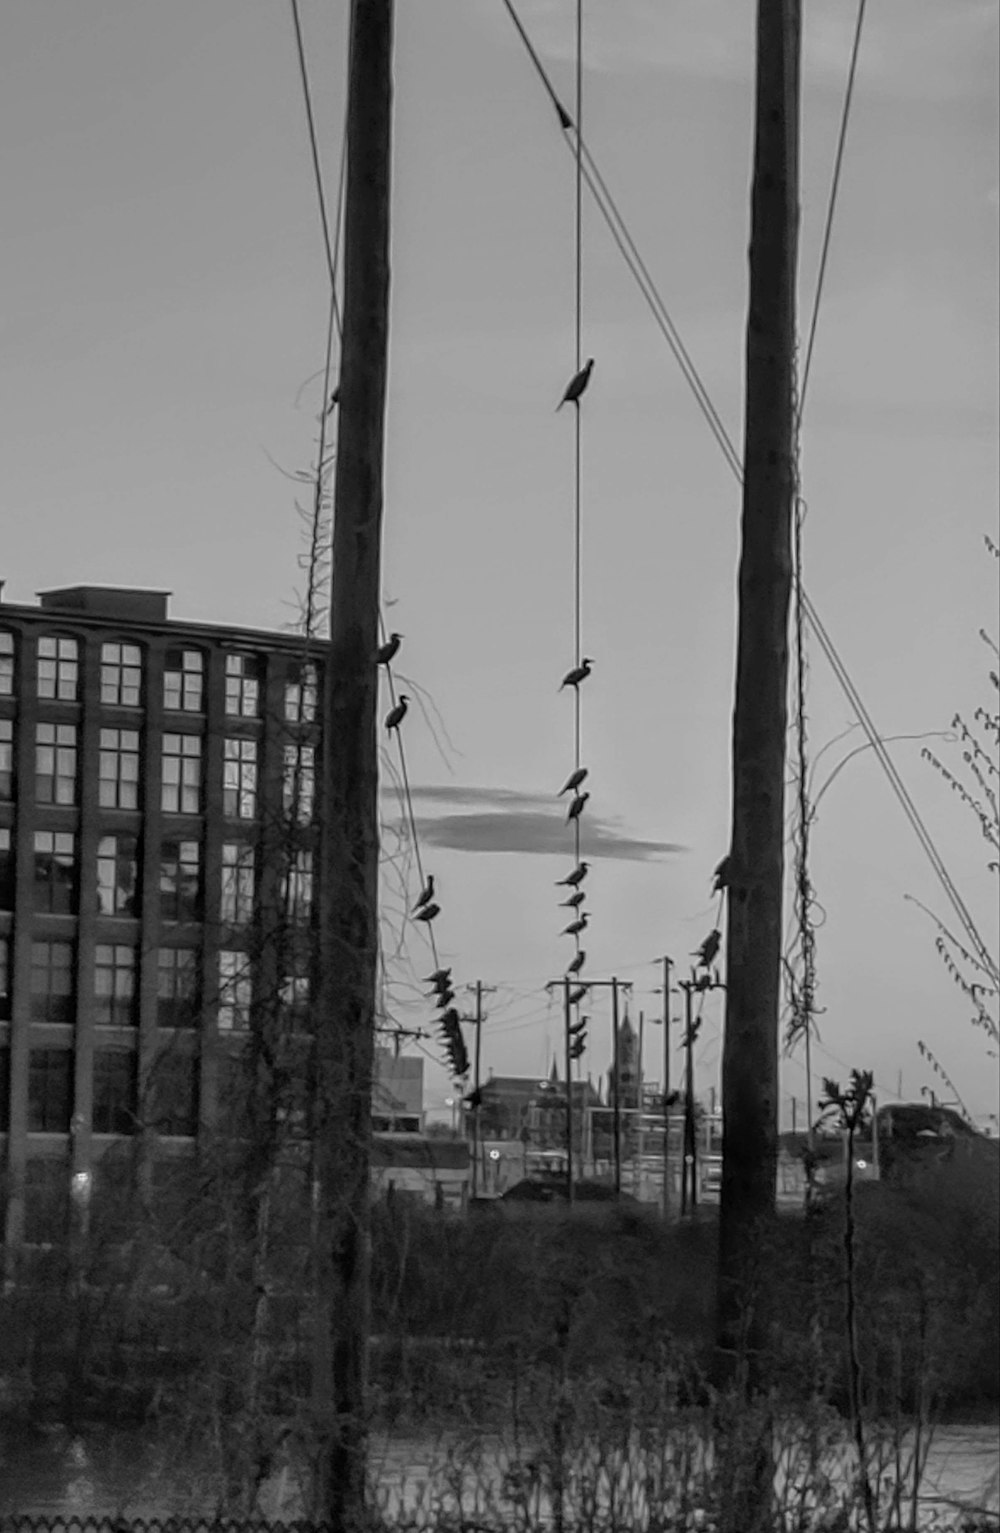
x,y
667,966
348,808
477,1022
756,863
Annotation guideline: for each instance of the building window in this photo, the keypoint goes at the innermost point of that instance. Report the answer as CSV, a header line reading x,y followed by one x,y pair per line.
x,y
118,773
301,687
297,887
5,977
6,758
55,763
174,1095
299,782
243,678
50,1090
55,872
177,987
114,985
234,992
52,982
237,883
180,881
117,876
6,870
115,1092
121,675
7,655
183,680
181,793
58,669
294,996
239,781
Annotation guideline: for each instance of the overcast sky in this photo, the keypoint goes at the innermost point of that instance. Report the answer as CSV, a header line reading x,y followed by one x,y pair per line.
x,y
164,298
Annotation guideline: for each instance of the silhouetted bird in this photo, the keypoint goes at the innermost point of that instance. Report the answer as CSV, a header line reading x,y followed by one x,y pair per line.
x,y
474,1098
579,1026
428,913
577,876
577,964
573,781
389,649
577,384
396,715
577,807
426,894
575,927
579,673
439,978
709,948
444,998
573,901
577,995
720,878
451,1019
334,401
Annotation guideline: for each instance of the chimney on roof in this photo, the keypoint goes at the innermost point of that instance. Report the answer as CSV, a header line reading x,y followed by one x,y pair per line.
x,y
125,602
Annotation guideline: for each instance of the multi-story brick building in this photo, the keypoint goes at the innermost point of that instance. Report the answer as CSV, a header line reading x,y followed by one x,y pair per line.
x,y
155,805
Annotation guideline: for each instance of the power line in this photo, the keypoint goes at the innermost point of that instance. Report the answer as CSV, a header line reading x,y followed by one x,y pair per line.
x,y
651,294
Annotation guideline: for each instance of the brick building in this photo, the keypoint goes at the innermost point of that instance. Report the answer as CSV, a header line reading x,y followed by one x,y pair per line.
x,y
156,782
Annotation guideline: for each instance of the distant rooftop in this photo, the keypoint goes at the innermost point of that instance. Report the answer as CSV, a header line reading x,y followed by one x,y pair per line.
x,y
108,601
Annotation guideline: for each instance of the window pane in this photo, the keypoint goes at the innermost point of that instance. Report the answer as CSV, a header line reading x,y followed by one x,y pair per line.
x,y
6,663
118,770
6,758
299,784
177,987
301,685
181,793
115,1092
114,985
50,1090
183,680
237,883
6,870
117,876
234,991
239,781
55,872
55,763
243,679
121,675
58,669
180,881
52,982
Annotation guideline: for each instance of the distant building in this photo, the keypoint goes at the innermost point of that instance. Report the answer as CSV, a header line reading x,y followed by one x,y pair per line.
x,y
156,787
532,1111
430,1170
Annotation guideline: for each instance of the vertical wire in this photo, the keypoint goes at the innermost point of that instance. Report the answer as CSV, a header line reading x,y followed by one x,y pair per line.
x,y
578,340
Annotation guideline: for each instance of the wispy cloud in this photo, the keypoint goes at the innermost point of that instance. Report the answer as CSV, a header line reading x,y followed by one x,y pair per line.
x,y
504,820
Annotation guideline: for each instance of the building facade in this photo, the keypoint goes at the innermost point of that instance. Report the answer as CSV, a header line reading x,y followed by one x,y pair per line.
x,y
156,877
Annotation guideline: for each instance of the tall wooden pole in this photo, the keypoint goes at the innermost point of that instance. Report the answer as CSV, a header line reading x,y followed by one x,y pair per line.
x,y
616,1114
753,952
348,883
667,966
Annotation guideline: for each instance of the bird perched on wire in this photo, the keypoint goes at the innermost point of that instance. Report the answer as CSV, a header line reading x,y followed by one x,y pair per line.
x,y
709,949
574,677
573,781
580,1026
334,400
444,998
577,384
574,879
426,894
577,964
577,807
440,979
573,901
720,878
575,927
388,650
450,1019
396,715
577,995
428,913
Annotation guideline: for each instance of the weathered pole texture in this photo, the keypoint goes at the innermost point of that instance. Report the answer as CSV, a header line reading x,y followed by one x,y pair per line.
x,y
756,864
348,883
